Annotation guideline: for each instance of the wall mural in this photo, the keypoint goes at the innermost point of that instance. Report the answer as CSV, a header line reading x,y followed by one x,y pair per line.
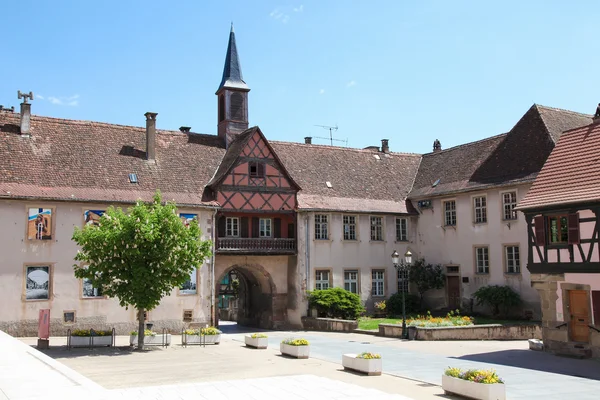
x,y
92,217
38,283
190,286
39,224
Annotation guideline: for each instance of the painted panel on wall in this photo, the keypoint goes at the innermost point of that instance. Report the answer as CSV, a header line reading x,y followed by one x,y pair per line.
x,y
37,286
39,224
92,217
189,286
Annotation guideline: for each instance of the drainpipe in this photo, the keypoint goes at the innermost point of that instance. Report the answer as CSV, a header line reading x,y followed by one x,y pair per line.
x,y
307,262
212,269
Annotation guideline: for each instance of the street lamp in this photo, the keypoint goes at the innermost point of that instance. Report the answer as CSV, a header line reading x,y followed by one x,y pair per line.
x,y
402,268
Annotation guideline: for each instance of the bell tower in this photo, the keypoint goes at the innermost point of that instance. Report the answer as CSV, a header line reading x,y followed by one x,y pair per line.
x,y
232,95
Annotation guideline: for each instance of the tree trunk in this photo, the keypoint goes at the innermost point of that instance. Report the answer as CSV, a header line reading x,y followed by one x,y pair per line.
x,y
141,323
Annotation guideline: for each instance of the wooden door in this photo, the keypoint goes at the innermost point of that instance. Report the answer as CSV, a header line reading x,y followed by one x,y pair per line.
x,y
453,290
580,316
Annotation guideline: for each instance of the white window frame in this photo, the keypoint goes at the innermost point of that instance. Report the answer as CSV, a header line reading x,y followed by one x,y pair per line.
x,y
350,280
512,259
376,228
349,228
321,227
508,207
479,209
482,260
232,227
378,282
401,231
449,213
322,281
265,226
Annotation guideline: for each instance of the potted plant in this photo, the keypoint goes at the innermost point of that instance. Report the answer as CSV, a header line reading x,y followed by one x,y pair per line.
x,y
151,338
90,338
298,348
476,384
257,340
367,363
201,336
380,308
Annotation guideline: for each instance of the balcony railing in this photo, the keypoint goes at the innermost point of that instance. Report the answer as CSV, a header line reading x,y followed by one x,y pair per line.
x,y
256,245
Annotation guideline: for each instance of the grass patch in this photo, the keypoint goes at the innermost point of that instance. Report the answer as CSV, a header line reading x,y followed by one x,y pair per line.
x,y
368,323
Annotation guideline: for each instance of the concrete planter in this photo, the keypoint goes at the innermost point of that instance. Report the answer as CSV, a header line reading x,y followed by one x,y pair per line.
x,y
197,339
86,341
156,340
473,390
257,343
212,339
294,351
372,366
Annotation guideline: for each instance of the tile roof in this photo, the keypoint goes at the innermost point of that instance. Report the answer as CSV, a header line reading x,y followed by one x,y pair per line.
x,y
232,70
91,161
511,158
571,174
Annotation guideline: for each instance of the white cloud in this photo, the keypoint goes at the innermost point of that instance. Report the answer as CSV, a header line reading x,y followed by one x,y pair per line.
x,y
39,96
279,16
63,101
299,9
321,91
351,83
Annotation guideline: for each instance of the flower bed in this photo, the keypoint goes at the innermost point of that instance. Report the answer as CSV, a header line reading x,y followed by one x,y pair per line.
x,y
367,363
151,338
257,340
451,319
210,335
90,338
298,348
476,384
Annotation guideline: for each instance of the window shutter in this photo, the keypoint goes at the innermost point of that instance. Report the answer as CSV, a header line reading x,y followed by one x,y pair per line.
x,y
277,227
540,231
255,227
596,306
573,224
291,230
221,230
244,227
260,169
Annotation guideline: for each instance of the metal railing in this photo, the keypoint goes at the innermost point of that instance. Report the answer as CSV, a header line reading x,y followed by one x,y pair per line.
x,y
256,244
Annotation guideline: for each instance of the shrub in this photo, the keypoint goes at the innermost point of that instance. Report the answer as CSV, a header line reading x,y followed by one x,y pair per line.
x,y
453,318
498,298
426,277
474,375
87,332
380,305
203,331
258,336
147,332
336,303
368,356
394,304
295,342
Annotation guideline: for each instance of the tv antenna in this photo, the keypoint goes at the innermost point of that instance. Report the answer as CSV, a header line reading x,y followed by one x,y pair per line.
x,y
330,138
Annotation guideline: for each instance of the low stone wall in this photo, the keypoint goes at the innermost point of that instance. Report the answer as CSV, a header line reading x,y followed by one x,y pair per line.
x,y
472,332
556,341
329,324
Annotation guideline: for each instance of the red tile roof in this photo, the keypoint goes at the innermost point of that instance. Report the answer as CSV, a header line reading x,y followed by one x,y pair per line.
x,y
571,174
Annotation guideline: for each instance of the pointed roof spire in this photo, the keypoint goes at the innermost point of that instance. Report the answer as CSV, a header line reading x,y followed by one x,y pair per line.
x,y
232,71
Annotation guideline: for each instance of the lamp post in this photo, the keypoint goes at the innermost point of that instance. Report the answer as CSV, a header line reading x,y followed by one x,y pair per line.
x,y
402,267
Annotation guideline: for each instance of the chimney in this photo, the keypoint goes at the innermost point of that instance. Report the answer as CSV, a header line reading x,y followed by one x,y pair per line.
x,y
25,113
308,140
437,146
385,147
151,136
596,118
185,129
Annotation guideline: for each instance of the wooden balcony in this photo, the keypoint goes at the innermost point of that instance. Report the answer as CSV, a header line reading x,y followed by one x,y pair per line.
x,y
232,245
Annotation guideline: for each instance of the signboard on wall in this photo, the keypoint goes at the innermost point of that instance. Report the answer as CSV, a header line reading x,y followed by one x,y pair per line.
x,y
44,324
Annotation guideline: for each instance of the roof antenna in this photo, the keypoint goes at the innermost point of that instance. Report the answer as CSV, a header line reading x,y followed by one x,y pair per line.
x,y
330,138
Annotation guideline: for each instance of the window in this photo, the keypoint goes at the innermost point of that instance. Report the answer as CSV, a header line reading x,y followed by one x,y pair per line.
x,y
232,227
188,315
321,279
190,286
450,213
377,283
513,263
402,281
69,317
321,227
509,202
264,229
377,228
401,229
558,229
256,169
39,224
349,227
351,281
37,285
88,289
482,260
479,210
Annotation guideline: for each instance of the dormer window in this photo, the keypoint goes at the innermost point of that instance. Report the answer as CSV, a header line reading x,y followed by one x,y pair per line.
x,y
256,169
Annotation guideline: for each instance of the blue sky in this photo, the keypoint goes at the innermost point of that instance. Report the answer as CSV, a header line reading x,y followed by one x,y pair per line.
x,y
410,71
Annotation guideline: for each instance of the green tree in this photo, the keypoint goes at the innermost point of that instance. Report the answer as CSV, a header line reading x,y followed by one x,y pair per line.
x,y
140,256
426,277
497,297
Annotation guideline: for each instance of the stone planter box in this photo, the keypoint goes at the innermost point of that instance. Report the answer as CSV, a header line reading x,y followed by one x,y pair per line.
x,y
197,339
156,340
473,390
366,366
294,351
86,341
257,343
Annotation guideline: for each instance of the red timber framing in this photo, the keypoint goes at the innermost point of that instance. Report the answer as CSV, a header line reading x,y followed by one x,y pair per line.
x,y
257,198
558,243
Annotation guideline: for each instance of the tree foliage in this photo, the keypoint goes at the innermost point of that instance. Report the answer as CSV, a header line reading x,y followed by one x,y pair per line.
x,y
336,303
140,256
394,304
498,298
426,277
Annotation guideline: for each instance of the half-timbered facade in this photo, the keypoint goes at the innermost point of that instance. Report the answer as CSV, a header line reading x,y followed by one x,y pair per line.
x,y
562,211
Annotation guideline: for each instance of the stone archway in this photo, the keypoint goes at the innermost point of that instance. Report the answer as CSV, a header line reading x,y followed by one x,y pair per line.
x,y
255,294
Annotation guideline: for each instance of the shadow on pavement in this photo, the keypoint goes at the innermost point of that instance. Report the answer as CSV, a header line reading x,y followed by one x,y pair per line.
x,y
228,327
58,352
538,361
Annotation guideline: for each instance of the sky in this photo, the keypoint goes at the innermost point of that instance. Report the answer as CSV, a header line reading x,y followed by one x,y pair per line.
x,y
407,71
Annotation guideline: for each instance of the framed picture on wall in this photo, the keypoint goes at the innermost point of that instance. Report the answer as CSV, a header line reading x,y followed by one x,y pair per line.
x,y
190,286
92,217
39,224
37,284
188,218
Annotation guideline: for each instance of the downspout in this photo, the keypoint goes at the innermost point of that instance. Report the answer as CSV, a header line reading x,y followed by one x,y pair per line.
x,y
307,261
212,269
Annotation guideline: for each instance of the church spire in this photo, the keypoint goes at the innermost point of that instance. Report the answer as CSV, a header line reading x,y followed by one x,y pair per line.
x,y
232,71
